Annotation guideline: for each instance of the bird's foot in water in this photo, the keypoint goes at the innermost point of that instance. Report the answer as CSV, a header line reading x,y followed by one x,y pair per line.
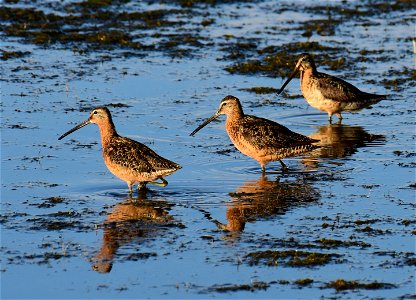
x,y
284,167
162,184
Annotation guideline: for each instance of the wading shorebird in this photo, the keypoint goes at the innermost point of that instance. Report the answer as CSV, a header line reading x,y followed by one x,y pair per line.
x,y
127,159
329,93
258,138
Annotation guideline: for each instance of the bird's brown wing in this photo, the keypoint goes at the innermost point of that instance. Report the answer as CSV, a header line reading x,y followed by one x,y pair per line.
x,y
263,133
337,89
137,156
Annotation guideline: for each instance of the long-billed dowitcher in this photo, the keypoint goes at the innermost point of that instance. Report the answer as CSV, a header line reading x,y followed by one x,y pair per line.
x,y
258,138
329,93
127,159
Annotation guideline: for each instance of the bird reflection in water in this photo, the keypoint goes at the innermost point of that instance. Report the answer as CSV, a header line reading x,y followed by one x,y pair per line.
x,y
263,199
337,140
130,221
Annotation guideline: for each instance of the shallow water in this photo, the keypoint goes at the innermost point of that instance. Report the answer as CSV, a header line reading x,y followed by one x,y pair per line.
x,y
70,230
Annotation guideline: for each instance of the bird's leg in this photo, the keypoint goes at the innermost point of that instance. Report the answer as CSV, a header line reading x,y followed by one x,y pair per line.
x,y
220,226
263,170
141,196
339,117
163,183
142,186
130,185
284,167
330,117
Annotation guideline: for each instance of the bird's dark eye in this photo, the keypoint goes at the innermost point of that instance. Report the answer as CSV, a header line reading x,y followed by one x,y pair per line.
x,y
95,112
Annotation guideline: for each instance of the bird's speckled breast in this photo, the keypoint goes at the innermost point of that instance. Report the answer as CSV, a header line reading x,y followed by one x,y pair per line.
x,y
234,130
312,94
120,171
121,166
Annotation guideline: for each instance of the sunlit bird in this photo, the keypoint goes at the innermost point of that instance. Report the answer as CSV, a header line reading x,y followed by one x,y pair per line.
x,y
329,93
131,161
258,138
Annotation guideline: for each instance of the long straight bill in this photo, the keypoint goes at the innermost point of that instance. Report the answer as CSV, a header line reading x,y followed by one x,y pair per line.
x,y
75,129
287,81
205,123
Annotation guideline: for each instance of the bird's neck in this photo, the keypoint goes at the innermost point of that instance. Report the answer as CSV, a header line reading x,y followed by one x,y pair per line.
x,y
232,122
107,132
306,74
234,115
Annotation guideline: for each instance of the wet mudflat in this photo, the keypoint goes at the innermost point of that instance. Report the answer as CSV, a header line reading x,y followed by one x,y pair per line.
x,y
339,224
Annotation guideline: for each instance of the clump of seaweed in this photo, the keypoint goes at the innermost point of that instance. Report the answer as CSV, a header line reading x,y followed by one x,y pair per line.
x,y
6,55
94,25
361,9
50,202
329,243
323,27
259,285
342,285
279,61
261,90
292,258
303,282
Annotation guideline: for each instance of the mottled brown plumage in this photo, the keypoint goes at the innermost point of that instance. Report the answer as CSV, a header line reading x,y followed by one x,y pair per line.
x,y
329,93
129,160
258,138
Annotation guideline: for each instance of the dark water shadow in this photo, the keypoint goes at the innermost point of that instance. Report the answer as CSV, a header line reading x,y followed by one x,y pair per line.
x,y
132,222
262,199
337,140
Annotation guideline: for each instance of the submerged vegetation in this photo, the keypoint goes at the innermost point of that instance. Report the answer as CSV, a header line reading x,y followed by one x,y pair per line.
x,y
91,25
239,287
281,60
329,243
261,90
342,285
183,31
5,55
292,258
